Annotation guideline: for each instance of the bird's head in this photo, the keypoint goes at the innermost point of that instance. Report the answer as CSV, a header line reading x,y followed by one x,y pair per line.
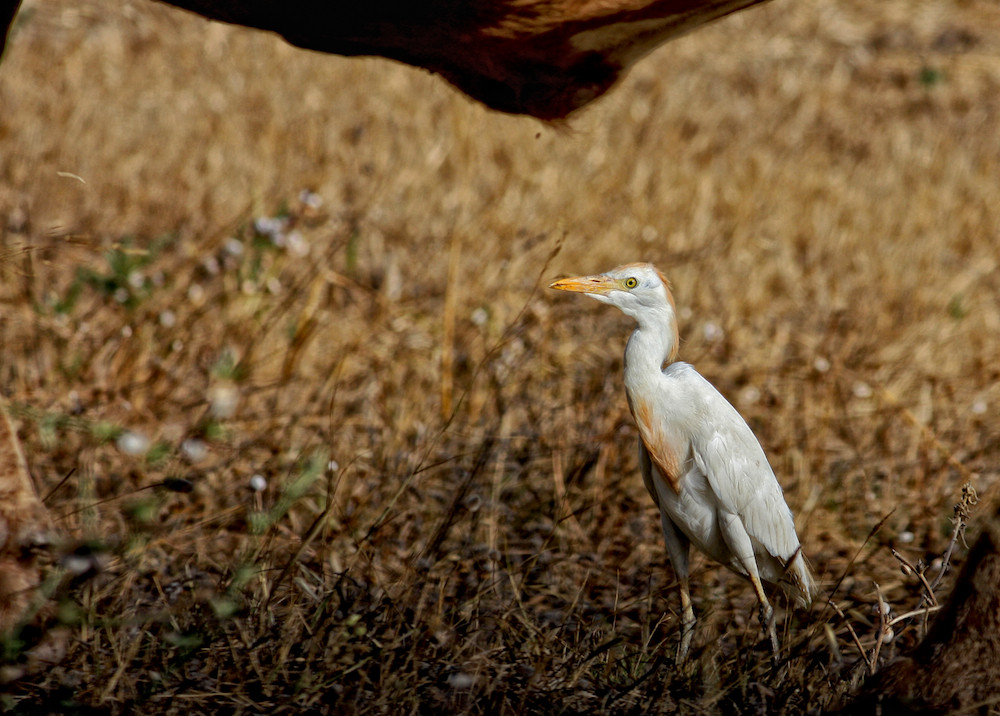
x,y
639,290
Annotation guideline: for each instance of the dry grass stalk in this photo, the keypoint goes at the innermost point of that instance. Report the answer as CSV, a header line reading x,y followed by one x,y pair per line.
x,y
25,526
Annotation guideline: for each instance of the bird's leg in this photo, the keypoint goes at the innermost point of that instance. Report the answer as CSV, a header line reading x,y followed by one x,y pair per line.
x,y
739,542
766,614
687,620
677,548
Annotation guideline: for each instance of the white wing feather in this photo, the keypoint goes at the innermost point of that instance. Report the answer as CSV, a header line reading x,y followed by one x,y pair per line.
x,y
725,450
739,474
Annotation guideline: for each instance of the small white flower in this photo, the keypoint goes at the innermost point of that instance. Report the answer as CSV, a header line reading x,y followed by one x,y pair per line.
x,y
905,537
132,443
75,563
126,331
194,449
268,225
136,279
195,293
258,483
750,395
310,199
713,332
297,245
821,364
233,246
333,466
223,399
121,294
979,407
862,390
480,316
168,318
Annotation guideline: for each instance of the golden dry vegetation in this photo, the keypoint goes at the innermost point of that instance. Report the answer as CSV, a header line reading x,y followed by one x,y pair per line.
x,y
223,258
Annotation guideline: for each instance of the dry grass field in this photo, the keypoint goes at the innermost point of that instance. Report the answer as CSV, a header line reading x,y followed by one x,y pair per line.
x,y
274,328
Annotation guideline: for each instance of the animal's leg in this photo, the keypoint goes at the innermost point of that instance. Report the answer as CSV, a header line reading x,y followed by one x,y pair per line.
x,y
687,620
739,542
766,613
677,548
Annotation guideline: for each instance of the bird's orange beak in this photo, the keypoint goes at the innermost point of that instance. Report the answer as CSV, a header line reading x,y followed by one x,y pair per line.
x,y
598,284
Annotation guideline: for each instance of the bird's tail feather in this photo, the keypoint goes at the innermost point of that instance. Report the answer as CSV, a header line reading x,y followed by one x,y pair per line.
x,y
798,582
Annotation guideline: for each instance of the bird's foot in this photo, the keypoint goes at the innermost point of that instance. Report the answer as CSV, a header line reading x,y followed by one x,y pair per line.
x,y
684,648
767,622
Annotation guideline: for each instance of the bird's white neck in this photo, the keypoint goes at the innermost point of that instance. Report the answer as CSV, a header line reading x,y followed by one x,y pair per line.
x,y
652,345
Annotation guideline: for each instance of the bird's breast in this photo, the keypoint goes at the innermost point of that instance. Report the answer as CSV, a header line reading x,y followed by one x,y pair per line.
x,y
665,450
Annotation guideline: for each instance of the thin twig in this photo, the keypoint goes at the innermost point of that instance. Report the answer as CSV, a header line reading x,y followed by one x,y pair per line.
x,y
448,326
311,533
883,627
62,482
433,548
565,509
874,530
854,635
915,613
928,590
962,512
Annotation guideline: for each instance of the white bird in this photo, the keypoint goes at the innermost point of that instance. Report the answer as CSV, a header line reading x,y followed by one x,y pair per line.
x,y
700,461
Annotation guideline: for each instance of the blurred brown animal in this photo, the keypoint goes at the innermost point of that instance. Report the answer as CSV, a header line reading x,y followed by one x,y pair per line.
x,y
545,58
956,668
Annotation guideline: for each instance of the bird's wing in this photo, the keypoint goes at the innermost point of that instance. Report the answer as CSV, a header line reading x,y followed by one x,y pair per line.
x,y
733,462
646,468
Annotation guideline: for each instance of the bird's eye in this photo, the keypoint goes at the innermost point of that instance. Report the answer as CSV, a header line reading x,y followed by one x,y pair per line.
x,y
630,282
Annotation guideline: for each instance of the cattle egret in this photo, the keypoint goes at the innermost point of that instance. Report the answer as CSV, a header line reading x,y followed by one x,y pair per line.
x,y
700,461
